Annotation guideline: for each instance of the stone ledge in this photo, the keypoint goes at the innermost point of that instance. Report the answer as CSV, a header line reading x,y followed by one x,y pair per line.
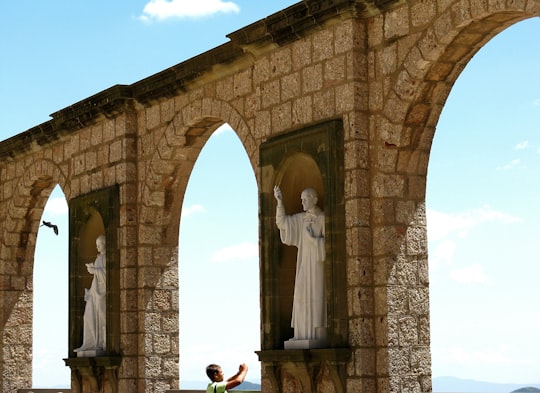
x,y
51,390
305,355
94,369
107,103
282,27
293,22
304,363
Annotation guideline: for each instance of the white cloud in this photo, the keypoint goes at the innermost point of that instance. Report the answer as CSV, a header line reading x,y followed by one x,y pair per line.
x,y
187,211
536,103
499,355
521,145
513,164
470,275
443,253
56,206
164,9
441,225
474,357
240,251
486,214
223,129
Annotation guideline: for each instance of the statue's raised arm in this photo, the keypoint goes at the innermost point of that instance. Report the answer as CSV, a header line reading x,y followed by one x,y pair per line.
x,y
278,195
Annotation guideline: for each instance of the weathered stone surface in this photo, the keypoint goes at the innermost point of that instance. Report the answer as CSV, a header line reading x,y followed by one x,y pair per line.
x,y
384,68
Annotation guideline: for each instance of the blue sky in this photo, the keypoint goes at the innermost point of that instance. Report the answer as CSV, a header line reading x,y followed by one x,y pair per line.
x,y
482,198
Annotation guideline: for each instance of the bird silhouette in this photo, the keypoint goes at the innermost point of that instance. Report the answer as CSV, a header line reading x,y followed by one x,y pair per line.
x,y
54,227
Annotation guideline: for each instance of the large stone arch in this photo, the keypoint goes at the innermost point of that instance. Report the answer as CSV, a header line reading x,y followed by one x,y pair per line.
x,y
30,194
166,179
177,150
427,64
417,71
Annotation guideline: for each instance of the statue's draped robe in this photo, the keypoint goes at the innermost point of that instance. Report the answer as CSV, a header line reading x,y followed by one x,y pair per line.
x,y
309,305
94,332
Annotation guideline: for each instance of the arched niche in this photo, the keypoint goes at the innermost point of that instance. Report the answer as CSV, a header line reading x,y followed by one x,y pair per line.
x,y
309,157
298,172
92,215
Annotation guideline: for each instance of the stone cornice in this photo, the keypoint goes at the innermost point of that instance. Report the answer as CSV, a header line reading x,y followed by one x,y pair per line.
x,y
284,26
293,22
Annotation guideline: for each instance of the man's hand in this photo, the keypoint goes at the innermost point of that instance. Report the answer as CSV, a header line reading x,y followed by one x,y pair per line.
x,y
237,378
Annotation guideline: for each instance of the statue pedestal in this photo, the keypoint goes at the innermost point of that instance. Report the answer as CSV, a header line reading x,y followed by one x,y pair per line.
x,y
94,374
280,367
90,353
304,344
318,342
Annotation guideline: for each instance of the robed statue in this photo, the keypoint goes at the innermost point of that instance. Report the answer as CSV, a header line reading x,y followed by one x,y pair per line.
x,y
306,231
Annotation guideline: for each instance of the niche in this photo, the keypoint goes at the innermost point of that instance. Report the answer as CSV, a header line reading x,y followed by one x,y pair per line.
x,y
309,157
92,215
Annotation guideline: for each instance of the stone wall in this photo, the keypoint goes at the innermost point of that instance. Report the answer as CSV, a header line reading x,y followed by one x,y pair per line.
x,y
383,68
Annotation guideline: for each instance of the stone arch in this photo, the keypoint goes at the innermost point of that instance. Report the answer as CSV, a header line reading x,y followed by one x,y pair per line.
x,y
177,150
164,185
24,211
429,70
404,130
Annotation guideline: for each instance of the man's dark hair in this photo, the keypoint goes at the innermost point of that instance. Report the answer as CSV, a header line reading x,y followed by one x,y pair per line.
x,y
212,370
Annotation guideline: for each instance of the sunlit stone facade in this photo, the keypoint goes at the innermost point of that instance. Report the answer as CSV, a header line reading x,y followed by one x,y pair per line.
x,y
382,69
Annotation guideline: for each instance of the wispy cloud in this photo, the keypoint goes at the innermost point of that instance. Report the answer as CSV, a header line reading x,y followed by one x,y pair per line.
x,y
536,103
440,224
56,206
498,355
472,357
187,211
473,274
239,251
513,164
443,253
160,10
521,145
445,230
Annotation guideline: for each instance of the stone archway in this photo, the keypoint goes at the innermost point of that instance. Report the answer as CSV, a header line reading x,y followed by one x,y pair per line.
x,y
20,233
419,71
165,181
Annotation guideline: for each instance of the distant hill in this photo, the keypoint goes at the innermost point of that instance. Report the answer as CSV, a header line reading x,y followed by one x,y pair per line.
x,y
457,385
246,385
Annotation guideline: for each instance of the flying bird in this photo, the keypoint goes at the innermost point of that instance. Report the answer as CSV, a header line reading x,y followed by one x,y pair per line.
x,y
54,227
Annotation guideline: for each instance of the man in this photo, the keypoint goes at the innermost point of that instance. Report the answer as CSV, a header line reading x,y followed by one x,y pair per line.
x,y
306,231
218,384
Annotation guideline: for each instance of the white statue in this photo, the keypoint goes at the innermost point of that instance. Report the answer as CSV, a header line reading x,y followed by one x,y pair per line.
x,y
94,330
306,231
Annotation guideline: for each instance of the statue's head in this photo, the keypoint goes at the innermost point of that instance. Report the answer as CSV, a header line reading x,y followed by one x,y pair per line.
x,y
309,198
100,243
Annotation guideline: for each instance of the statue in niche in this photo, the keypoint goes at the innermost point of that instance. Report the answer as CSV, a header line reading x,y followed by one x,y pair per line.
x,y
306,231
94,326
